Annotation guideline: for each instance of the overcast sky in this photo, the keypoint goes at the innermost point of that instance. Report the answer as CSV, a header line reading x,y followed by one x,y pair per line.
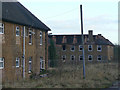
x,y
63,16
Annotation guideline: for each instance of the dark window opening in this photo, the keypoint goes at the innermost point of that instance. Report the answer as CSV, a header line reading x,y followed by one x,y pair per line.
x,y
72,57
90,57
64,47
80,58
72,48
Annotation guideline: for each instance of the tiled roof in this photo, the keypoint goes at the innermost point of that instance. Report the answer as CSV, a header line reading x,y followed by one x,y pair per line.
x,y
97,39
16,13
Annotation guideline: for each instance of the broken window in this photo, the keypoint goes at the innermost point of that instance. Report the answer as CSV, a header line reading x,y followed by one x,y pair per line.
x,y
64,57
99,57
64,47
99,48
72,48
89,47
90,58
80,47
80,57
72,57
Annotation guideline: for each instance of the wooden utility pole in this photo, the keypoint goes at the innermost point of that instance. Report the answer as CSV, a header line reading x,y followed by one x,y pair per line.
x,y
82,42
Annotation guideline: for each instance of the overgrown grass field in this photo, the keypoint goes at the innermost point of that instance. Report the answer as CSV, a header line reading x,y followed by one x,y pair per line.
x,y
100,75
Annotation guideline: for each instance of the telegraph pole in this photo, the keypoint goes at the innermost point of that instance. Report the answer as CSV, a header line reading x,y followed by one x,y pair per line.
x,y
82,42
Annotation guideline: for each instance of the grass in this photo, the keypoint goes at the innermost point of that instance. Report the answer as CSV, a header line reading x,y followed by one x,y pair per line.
x,y
100,75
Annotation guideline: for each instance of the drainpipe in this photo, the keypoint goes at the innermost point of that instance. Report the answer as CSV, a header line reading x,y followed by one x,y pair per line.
x,y
24,52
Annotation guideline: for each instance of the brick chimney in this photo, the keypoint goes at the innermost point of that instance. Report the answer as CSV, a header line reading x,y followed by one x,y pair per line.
x,y
74,39
86,39
90,35
64,39
54,39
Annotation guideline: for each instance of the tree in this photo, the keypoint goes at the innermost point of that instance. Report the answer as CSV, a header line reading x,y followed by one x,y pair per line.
x,y
52,54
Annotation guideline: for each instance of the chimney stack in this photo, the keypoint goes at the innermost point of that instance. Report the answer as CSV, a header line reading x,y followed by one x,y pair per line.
x,y
90,35
64,39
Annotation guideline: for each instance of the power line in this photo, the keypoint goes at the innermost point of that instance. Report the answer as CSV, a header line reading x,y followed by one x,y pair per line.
x,y
61,14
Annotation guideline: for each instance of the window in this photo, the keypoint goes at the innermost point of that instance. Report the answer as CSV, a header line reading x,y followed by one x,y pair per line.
x,y
17,61
72,57
30,64
17,31
1,28
90,58
1,63
80,57
64,47
30,37
72,48
40,37
80,47
42,63
99,48
64,57
99,57
89,47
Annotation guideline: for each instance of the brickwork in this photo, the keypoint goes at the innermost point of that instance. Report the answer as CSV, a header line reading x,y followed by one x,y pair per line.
x,y
12,47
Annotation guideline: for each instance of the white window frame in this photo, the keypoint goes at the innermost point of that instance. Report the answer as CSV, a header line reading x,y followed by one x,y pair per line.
x,y
17,30
41,37
89,56
2,28
42,63
98,47
80,47
71,48
30,34
2,61
79,58
17,60
30,62
65,47
63,56
98,57
71,57
91,47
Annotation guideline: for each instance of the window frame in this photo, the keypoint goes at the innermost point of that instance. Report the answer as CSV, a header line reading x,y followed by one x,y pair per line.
x,y
79,58
89,56
41,37
91,48
2,61
98,47
30,63
98,57
17,30
2,27
64,57
17,60
65,47
42,63
72,47
30,39
80,46
71,57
